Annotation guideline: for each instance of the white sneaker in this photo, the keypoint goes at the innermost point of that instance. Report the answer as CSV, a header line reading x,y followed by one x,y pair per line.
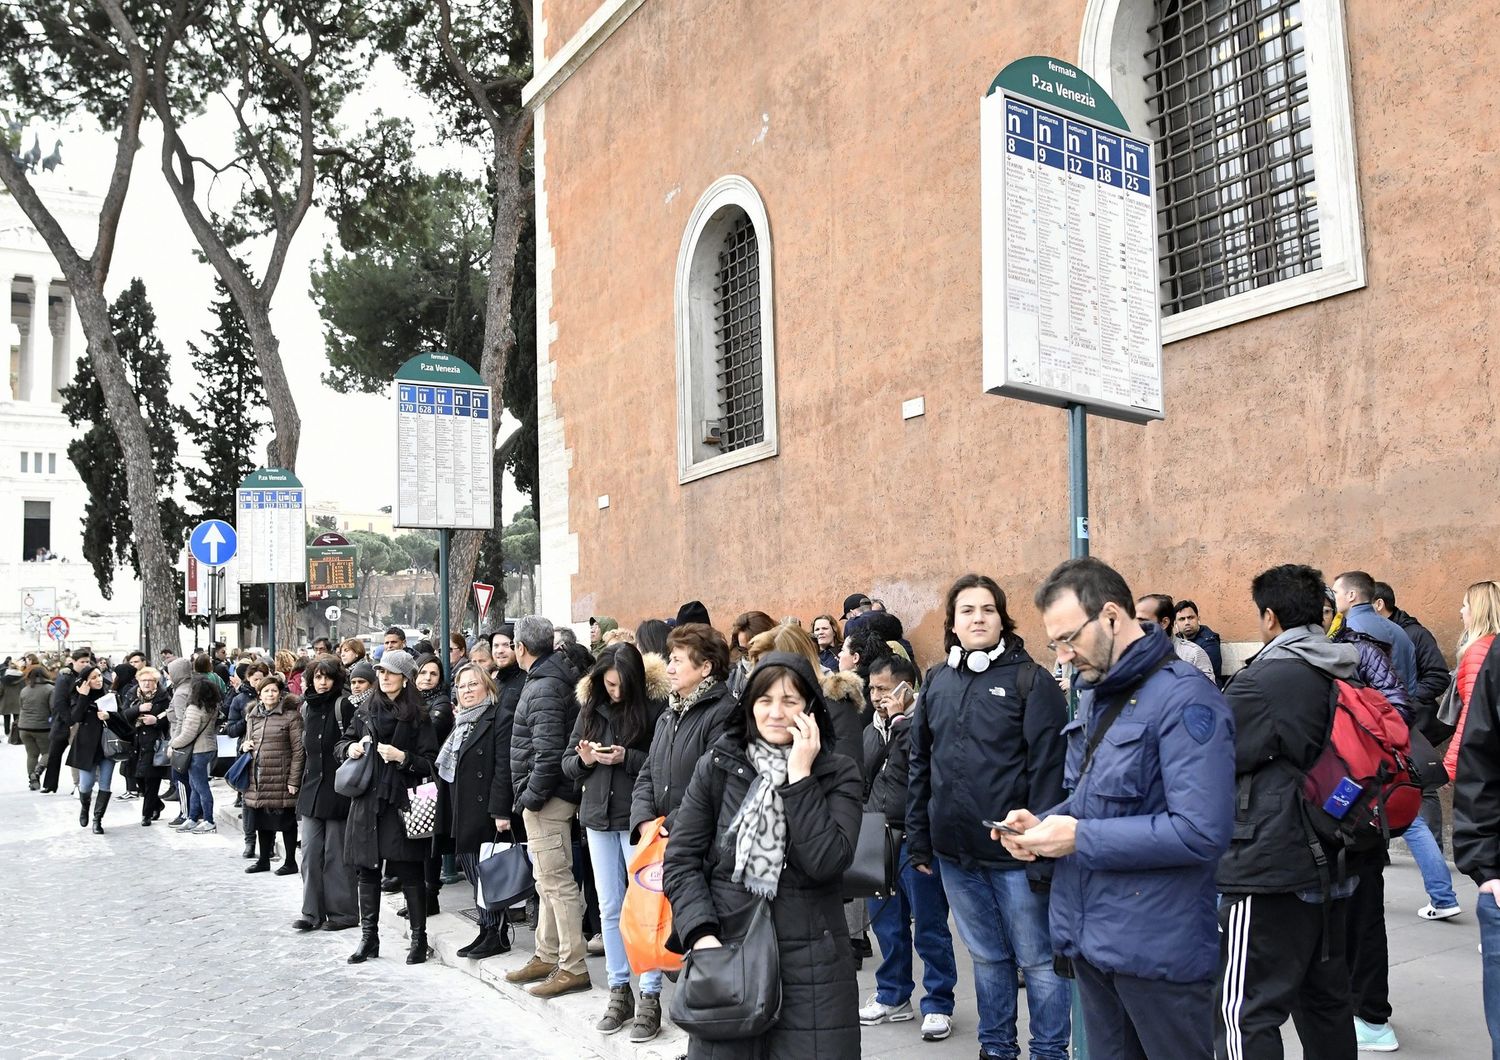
x,y
1374,1037
186,826
874,1012
1432,912
205,827
936,1026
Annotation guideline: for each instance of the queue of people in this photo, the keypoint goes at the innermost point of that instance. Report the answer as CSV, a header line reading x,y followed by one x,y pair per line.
x,y
1134,820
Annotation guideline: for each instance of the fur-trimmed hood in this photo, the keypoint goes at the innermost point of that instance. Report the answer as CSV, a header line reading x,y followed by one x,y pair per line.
x,y
846,686
658,685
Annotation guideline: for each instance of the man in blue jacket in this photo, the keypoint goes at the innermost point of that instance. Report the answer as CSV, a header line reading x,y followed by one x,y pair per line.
x,y
1151,778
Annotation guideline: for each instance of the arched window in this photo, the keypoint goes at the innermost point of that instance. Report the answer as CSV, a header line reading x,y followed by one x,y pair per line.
x,y
726,364
1248,102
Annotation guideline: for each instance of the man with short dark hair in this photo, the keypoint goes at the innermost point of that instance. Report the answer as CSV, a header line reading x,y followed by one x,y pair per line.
x,y
1156,608
915,917
321,646
1282,914
1432,668
1150,761
548,802
395,639
1190,628
1353,592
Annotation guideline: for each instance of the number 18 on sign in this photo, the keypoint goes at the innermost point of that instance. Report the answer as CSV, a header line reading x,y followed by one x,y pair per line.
x,y
445,451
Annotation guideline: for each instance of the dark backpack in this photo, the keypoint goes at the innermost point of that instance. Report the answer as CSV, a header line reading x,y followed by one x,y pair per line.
x,y
1363,788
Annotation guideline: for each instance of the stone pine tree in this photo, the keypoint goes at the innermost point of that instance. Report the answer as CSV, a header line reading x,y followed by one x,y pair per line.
x,y
109,535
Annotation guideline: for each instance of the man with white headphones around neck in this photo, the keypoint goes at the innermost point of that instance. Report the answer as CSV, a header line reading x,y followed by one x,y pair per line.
x,y
986,731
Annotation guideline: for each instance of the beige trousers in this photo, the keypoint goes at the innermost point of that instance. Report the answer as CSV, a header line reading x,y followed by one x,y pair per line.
x,y
559,924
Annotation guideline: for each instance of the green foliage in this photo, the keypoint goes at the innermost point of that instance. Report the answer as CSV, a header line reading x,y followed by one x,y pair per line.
x,y
522,542
230,411
108,533
323,523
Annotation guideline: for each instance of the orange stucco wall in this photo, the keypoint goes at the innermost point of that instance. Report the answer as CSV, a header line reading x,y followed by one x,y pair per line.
x,y
563,19
1353,432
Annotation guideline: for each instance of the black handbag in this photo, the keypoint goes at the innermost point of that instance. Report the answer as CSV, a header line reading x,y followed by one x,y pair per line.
x,y
239,774
355,775
1431,772
733,991
112,745
182,758
161,752
872,873
505,878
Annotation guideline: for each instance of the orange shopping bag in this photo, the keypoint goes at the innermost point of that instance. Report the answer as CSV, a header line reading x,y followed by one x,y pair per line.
x,y
646,916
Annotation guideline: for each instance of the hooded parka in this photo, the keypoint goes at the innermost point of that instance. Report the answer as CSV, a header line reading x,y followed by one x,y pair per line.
x,y
819,1018
607,791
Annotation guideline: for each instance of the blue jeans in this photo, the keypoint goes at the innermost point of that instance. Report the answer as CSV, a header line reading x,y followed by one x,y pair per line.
x,y
103,774
919,902
200,797
1436,878
1489,938
1004,924
609,852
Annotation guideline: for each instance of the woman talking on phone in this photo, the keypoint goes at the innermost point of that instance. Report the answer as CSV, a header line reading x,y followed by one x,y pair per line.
x,y
619,700
774,812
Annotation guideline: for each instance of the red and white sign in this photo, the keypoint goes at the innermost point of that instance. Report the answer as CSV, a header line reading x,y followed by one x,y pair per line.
x,y
57,628
483,594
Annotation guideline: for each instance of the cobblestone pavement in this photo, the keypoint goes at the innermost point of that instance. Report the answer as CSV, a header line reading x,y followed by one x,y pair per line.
x,y
145,943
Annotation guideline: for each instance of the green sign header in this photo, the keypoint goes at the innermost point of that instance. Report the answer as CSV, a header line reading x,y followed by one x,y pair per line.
x,y
1055,83
271,478
439,367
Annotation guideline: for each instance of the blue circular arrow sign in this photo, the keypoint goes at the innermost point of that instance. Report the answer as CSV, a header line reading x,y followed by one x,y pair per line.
x,y
212,542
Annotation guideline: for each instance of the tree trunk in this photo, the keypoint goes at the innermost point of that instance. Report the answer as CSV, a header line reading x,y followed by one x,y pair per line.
x,y
499,333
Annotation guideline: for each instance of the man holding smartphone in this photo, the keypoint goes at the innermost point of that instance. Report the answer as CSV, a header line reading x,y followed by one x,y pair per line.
x,y
1149,810
916,916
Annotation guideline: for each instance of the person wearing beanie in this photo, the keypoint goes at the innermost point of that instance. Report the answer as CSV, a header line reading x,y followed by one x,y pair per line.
x,y
362,671
692,611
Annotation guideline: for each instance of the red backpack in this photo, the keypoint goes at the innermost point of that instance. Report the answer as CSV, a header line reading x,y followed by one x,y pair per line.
x,y
1364,787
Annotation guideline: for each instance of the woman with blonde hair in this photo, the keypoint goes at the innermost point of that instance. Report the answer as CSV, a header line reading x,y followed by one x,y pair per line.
x,y
1481,615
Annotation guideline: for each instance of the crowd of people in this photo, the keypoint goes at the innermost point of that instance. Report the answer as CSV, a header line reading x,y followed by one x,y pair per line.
x,y
1135,819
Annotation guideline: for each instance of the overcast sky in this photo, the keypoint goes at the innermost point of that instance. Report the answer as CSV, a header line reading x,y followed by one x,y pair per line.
x,y
155,244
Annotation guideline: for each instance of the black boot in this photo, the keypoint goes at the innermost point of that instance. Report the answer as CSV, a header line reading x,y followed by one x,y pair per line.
x,y
479,940
368,890
496,940
249,847
389,884
263,863
416,912
289,866
84,799
99,808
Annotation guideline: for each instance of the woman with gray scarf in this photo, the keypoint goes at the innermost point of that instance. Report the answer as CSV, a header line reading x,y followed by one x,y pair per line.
x,y
474,796
774,812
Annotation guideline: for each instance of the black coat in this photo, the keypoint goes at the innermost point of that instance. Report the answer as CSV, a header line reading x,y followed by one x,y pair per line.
x,y
85,751
1476,792
844,693
440,710
375,831
679,741
605,798
539,735
480,791
887,759
977,752
327,721
62,698
142,762
820,995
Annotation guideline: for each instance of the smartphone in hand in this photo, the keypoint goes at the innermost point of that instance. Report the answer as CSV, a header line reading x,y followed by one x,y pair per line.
x,y
997,826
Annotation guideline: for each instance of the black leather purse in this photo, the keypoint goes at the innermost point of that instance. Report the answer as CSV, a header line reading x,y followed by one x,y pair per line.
x,y
355,775
872,873
734,991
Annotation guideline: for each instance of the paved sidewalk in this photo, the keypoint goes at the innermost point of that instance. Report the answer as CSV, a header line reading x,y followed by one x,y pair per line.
x,y
1435,990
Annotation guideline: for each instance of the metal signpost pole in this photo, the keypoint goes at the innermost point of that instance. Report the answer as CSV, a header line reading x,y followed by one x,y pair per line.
x,y
1078,479
443,603
213,607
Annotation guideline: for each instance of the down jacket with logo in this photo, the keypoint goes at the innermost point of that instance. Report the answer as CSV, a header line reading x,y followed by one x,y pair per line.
x,y
1154,812
978,752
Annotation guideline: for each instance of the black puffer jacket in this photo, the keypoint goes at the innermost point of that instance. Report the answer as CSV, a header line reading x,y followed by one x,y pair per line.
x,y
539,735
607,791
681,739
328,719
820,995
887,760
980,749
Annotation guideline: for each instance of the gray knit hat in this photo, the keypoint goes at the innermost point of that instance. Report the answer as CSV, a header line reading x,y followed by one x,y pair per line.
x,y
362,670
398,662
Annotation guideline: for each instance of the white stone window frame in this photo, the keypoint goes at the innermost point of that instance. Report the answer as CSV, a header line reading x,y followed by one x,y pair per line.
x,y
1112,48
695,311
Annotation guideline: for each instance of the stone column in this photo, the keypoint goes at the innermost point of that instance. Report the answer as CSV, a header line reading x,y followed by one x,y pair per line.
x,y
40,352
7,333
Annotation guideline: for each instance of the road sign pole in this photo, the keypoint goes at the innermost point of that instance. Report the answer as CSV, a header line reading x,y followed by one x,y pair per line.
x,y
442,653
213,607
1078,480
271,622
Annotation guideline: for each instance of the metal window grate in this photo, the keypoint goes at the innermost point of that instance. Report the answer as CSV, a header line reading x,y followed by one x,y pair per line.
x,y
1234,148
737,338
